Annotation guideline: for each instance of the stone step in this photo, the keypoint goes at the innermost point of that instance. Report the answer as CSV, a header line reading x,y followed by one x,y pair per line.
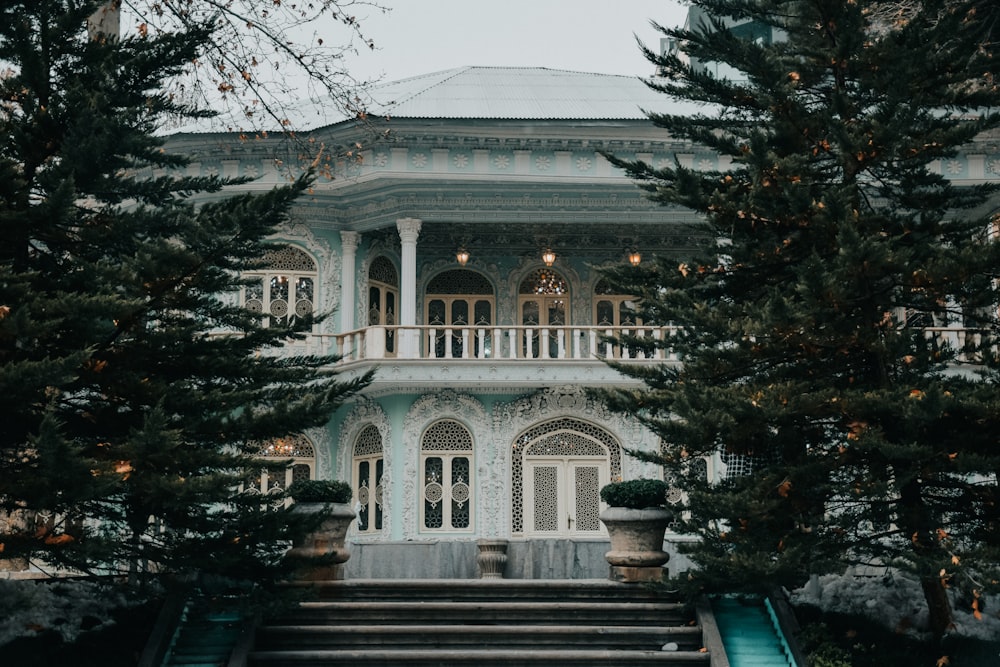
x,y
479,658
358,637
481,589
486,623
488,612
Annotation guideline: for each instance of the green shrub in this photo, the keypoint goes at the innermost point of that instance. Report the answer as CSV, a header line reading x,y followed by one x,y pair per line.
x,y
635,493
320,491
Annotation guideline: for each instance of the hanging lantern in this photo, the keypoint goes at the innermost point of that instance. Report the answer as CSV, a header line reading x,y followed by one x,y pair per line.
x,y
634,257
548,257
462,256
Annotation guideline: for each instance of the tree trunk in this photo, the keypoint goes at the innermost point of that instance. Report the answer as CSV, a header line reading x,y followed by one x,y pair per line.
x,y
940,619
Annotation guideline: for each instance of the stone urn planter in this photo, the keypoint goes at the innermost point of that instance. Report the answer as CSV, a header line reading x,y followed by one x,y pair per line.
x,y
636,523
636,535
321,552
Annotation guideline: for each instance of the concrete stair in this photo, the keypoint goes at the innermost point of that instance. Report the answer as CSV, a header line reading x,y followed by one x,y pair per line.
x,y
485,623
748,633
209,629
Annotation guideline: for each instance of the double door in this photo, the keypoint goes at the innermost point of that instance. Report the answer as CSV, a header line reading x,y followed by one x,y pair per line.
x,y
562,496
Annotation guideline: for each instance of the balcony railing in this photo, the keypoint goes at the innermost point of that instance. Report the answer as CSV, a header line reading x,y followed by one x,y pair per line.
x,y
538,343
541,343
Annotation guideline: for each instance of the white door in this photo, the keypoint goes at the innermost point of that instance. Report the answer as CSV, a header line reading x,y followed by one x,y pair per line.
x,y
562,496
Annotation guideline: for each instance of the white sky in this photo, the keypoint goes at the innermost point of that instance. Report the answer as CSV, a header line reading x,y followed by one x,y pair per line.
x,y
423,36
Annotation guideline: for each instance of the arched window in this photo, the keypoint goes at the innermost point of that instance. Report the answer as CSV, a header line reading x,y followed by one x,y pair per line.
x,y
368,469
457,299
278,475
543,305
383,298
446,477
285,289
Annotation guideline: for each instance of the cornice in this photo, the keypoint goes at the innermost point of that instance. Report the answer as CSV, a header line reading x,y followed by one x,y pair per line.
x,y
499,377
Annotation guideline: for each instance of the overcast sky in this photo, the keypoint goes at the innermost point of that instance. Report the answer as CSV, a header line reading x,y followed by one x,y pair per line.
x,y
423,36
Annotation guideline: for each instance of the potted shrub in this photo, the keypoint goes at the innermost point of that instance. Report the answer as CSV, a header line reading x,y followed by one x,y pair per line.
x,y
322,550
636,520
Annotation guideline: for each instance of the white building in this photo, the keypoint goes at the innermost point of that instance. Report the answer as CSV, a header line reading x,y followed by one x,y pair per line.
x,y
461,252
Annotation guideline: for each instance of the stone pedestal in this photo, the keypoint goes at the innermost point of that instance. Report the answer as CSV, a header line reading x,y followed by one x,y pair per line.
x,y
636,575
492,558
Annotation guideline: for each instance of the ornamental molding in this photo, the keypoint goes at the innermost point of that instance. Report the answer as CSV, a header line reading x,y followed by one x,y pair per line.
x,y
499,158
655,139
323,448
468,411
327,265
363,413
512,419
491,377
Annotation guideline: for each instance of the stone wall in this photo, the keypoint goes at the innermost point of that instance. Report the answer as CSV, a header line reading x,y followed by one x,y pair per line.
x,y
456,559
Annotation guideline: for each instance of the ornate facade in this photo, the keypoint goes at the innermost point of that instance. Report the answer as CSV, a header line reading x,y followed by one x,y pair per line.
x,y
461,249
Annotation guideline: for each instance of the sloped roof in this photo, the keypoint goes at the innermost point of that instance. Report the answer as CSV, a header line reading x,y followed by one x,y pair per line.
x,y
509,93
516,93
495,93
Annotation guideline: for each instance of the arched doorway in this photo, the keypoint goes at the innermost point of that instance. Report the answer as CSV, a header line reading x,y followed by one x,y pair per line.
x,y
557,469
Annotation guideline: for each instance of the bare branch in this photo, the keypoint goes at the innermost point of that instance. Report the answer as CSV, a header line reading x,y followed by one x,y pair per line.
x,y
264,55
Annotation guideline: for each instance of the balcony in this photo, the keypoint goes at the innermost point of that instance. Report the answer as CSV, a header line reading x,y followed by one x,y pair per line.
x,y
496,343
493,358
512,357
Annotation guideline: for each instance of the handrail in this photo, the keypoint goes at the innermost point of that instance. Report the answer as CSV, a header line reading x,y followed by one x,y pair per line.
x,y
533,342
787,628
502,342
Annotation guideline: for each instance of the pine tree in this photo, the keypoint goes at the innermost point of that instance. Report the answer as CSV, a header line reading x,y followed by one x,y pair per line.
x,y
136,391
856,433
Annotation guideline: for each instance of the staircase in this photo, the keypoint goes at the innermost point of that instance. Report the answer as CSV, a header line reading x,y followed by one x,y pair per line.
x,y
481,622
208,629
748,633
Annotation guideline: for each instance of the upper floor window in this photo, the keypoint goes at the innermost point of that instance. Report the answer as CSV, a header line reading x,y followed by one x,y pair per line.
x,y
459,298
445,471
543,301
612,309
285,289
383,298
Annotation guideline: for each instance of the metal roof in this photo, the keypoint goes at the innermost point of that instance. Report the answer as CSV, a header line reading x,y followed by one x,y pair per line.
x,y
496,93
516,93
507,93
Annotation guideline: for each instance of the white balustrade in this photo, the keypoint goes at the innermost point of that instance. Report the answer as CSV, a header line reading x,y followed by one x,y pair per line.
x,y
548,343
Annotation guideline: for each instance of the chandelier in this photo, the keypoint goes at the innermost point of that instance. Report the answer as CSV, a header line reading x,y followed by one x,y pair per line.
x,y
549,282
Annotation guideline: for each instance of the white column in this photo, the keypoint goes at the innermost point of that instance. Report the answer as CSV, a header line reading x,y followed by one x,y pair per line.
x,y
348,254
409,230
